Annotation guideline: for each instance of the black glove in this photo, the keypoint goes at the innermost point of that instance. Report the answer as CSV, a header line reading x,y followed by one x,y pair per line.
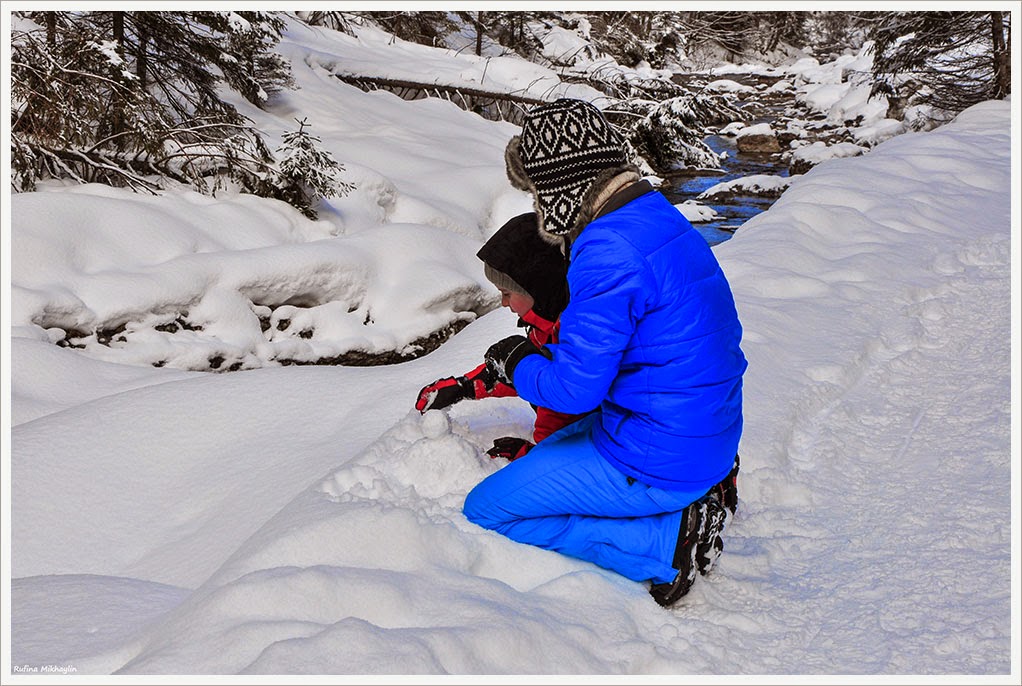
x,y
509,447
444,393
503,356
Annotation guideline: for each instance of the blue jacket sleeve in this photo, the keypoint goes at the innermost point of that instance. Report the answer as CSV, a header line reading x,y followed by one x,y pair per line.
x,y
607,282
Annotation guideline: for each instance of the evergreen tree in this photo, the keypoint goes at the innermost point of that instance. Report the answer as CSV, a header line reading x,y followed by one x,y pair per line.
x,y
953,59
248,63
129,98
306,172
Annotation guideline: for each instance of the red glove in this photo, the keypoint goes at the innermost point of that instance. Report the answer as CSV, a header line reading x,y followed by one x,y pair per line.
x,y
510,447
485,384
443,393
478,383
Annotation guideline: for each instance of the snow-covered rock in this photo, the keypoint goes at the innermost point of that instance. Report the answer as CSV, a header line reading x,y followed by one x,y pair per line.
x,y
808,156
759,138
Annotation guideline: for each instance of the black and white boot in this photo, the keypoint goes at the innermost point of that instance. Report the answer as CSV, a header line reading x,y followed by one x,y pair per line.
x,y
693,525
723,501
727,489
700,537
711,544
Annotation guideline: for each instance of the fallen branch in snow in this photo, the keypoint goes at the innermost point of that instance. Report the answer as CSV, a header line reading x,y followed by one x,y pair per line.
x,y
493,105
91,165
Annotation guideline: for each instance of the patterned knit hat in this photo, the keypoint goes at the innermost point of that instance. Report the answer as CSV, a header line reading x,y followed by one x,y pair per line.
x,y
565,147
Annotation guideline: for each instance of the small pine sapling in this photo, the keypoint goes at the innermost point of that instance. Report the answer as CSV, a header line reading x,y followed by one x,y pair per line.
x,y
306,172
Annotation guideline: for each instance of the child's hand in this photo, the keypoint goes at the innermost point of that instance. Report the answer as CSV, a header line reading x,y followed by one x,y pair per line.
x,y
509,447
503,356
444,393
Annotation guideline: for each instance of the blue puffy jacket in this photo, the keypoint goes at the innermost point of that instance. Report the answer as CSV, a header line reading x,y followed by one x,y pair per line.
x,y
651,335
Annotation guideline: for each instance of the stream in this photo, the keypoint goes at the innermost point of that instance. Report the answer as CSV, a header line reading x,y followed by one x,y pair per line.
x,y
734,211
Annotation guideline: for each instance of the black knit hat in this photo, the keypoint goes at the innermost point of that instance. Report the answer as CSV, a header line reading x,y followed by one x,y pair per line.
x,y
516,258
564,148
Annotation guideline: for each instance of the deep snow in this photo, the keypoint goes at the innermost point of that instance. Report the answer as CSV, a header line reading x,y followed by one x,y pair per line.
x,y
306,520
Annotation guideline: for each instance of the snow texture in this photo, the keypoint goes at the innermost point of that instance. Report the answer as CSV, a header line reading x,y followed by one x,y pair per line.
x,y
306,520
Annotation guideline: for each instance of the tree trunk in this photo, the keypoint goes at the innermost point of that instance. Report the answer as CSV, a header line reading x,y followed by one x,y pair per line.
x,y
775,36
141,59
1002,67
118,28
117,102
51,28
479,32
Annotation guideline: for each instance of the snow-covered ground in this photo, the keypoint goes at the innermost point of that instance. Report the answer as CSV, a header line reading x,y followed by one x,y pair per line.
x,y
306,520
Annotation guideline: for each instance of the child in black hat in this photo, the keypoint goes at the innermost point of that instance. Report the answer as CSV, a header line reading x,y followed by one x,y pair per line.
x,y
531,275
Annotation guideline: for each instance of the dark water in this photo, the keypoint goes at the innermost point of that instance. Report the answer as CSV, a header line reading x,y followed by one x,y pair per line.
x,y
736,210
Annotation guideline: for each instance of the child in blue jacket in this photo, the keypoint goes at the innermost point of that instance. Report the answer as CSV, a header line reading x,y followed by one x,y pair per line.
x,y
650,340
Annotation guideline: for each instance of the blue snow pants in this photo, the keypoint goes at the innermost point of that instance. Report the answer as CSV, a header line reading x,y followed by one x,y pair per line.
x,y
562,495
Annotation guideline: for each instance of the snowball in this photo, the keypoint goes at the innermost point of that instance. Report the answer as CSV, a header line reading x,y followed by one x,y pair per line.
x,y
435,424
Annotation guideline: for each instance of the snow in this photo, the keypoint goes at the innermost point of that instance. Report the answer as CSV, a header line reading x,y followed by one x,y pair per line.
x,y
697,212
877,132
753,184
763,129
144,261
306,520
856,104
563,46
733,128
809,69
375,53
728,86
817,152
